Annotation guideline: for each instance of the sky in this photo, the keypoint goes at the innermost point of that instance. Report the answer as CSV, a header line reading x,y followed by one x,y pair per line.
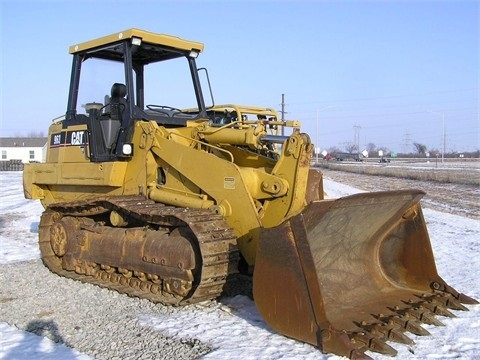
x,y
234,328
391,73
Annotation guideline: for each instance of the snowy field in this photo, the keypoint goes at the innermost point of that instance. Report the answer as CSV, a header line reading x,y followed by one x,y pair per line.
x,y
233,328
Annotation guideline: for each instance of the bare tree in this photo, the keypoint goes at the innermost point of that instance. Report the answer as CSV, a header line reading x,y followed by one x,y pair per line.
x,y
351,148
333,150
36,134
371,147
420,148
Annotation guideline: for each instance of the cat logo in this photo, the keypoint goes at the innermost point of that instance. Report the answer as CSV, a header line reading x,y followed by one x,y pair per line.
x,y
77,138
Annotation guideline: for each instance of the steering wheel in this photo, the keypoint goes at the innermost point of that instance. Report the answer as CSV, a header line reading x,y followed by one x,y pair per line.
x,y
159,108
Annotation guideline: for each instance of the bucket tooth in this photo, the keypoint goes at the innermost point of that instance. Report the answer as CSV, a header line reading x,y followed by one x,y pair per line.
x,y
406,323
454,304
425,316
449,301
420,313
375,344
399,337
465,299
439,309
342,342
359,355
390,332
415,328
382,347
436,307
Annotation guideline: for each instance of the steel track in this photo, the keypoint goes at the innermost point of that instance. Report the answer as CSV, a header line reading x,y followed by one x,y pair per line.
x,y
214,239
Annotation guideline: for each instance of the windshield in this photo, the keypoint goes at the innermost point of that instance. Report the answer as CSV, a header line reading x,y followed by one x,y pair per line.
x,y
96,80
167,84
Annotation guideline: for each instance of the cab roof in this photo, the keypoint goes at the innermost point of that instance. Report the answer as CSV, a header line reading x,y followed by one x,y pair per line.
x,y
153,47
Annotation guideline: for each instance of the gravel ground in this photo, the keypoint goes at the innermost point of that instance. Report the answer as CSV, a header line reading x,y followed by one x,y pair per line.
x,y
95,321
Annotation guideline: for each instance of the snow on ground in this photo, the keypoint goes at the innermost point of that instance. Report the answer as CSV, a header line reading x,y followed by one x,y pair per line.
x,y
233,327
18,221
17,344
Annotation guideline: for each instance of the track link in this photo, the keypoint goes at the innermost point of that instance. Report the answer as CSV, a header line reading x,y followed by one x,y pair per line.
x,y
213,240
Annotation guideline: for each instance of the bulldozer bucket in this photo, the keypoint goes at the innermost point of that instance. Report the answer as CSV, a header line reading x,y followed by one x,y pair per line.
x,y
350,274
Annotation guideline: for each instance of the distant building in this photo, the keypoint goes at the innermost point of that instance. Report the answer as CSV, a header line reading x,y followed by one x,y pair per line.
x,y
21,151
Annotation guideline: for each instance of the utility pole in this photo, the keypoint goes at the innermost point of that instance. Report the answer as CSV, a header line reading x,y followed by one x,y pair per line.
x,y
283,112
443,131
407,141
356,137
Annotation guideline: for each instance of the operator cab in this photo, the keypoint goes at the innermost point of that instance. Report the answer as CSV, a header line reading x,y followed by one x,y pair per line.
x,y
132,76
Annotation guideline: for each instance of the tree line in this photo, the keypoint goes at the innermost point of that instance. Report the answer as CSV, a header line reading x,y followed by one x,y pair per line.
x,y
419,150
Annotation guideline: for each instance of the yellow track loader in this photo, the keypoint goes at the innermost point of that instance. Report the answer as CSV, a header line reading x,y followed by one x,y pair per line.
x,y
163,201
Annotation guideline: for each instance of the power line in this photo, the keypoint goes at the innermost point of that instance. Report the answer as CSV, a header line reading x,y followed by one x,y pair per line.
x,y
388,97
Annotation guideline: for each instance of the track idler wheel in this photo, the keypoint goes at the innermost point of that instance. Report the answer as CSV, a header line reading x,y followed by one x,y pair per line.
x,y
59,234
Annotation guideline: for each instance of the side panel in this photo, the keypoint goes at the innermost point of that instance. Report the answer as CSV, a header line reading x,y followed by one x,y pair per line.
x,y
67,145
53,183
84,174
70,175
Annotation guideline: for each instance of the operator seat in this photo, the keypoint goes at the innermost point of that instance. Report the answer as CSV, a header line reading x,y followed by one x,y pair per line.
x,y
111,125
117,101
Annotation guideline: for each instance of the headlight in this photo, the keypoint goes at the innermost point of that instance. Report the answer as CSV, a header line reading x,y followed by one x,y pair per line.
x,y
136,41
193,53
127,149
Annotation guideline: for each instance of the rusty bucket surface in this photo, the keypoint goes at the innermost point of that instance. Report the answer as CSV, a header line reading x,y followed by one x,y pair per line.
x,y
349,274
